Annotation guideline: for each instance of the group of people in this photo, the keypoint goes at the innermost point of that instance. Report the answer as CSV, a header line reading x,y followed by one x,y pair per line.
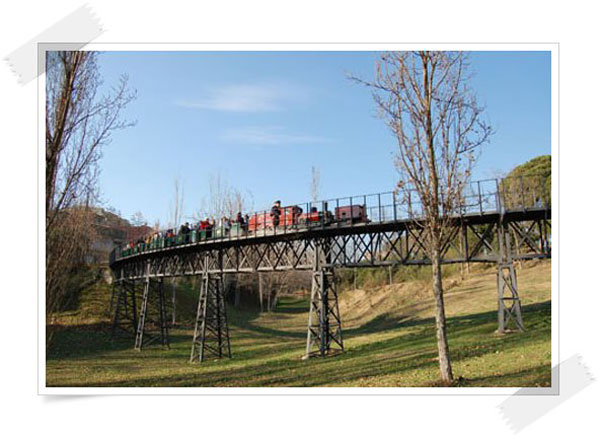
x,y
225,224
207,225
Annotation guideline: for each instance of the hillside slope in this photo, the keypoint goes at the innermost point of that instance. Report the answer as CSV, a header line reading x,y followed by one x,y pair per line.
x,y
474,293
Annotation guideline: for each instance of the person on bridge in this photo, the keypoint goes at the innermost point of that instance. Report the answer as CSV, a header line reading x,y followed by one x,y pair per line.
x,y
276,213
204,224
239,219
226,224
210,224
245,222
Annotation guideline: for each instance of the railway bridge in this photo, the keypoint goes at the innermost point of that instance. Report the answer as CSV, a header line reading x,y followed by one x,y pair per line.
x,y
498,221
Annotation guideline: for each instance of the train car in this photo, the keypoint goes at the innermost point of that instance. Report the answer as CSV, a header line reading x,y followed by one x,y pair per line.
x,y
355,213
315,217
289,217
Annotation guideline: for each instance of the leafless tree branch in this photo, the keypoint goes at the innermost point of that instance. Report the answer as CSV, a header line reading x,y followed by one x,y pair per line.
x,y
425,99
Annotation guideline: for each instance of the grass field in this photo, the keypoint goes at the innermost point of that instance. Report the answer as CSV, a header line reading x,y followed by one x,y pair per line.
x,y
389,340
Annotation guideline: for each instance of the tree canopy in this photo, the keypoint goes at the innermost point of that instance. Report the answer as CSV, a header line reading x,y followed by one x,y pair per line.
x,y
534,177
541,165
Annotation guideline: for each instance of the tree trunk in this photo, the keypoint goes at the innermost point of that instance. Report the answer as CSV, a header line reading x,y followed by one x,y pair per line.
x,y
274,302
440,319
173,302
237,296
260,291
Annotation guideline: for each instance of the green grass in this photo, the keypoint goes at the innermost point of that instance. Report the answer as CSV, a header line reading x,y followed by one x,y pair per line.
x,y
389,340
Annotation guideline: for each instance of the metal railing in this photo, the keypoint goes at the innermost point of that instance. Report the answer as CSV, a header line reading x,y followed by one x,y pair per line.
x,y
520,193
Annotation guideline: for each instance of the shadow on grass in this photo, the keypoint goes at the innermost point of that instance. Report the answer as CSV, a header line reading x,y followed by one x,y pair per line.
x,y
271,357
386,322
245,319
372,361
293,305
77,341
80,340
470,337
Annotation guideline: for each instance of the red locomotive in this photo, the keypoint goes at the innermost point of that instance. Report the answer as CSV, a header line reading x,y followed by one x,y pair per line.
x,y
294,217
289,217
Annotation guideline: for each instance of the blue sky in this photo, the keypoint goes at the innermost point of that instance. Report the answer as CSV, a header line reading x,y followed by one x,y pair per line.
x,y
263,119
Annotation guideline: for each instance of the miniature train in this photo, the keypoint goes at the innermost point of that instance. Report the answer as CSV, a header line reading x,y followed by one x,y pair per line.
x,y
291,218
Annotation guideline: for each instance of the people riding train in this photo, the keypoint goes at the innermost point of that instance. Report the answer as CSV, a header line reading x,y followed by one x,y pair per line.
x,y
172,236
204,224
276,213
210,225
246,223
225,225
140,242
242,222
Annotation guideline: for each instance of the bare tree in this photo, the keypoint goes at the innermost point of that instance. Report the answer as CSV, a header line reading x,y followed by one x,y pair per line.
x,y
236,201
315,184
66,249
223,199
177,203
219,195
425,99
175,217
79,123
138,219
280,283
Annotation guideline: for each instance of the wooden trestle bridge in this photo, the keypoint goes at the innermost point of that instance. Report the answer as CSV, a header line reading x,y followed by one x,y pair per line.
x,y
500,221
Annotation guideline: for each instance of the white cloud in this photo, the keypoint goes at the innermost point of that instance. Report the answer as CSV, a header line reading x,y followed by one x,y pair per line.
x,y
245,98
269,135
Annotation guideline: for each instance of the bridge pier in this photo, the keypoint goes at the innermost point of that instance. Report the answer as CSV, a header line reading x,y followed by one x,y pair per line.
x,y
125,308
211,332
509,303
324,337
156,287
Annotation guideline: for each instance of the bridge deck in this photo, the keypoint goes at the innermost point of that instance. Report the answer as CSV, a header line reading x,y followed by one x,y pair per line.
x,y
353,236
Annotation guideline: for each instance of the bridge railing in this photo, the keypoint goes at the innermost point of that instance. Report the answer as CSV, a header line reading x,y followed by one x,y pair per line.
x,y
525,192
478,197
483,196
